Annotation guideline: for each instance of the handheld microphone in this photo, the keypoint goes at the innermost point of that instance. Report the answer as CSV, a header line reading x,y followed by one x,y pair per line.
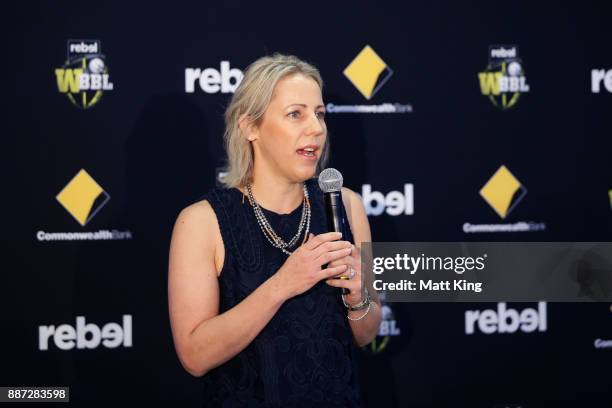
x,y
330,182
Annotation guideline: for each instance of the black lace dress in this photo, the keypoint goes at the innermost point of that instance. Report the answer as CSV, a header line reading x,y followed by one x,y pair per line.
x,y
304,357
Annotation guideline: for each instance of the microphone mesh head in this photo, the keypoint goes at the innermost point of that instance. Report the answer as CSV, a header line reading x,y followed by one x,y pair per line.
x,y
330,180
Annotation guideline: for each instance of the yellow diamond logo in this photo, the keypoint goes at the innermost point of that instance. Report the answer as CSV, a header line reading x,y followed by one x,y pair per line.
x,y
83,197
368,72
503,192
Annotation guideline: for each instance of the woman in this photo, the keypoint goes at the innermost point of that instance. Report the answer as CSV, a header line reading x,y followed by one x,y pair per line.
x,y
254,304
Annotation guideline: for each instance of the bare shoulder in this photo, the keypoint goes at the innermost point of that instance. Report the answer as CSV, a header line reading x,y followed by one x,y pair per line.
x,y
197,226
195,221
201,210
357,216
352,202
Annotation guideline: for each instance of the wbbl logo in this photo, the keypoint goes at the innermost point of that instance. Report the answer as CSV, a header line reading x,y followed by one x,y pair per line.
x,y
84,76
388,328
503,81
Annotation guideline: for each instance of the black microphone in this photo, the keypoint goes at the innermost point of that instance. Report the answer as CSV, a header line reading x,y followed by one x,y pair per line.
x,y
330,181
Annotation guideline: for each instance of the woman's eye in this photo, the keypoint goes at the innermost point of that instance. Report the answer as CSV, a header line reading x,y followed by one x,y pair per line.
x,y
321,114
294,114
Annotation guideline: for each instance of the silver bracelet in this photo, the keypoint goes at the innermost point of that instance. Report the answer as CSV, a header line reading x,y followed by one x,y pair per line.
x,y
365,301
363,315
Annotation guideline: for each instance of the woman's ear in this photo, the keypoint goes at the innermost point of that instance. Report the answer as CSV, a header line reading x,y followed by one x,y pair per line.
x,y
248,128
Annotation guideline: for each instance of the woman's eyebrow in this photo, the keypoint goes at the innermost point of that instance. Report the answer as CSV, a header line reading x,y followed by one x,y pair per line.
x,y
303,105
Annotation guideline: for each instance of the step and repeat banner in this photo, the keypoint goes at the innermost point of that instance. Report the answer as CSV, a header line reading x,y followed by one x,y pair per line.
x,y
455,122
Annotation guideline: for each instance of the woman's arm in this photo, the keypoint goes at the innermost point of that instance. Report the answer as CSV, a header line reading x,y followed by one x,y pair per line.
x,y
205,339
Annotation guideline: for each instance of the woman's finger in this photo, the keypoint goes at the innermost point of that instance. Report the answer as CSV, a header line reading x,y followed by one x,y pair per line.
x,y
347,260
317,240
333,271
330,246
353,287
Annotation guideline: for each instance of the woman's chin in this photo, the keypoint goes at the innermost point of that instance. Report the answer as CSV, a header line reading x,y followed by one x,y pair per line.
x,y
306,172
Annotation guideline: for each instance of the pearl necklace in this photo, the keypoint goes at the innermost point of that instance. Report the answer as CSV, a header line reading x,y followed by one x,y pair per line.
x,y
272,237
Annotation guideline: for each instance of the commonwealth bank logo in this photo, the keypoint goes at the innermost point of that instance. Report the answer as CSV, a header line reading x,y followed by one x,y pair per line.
x,y
84,76
503,192
83,197
368,72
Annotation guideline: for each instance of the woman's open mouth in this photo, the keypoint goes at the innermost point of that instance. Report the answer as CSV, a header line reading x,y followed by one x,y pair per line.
x,y
309,151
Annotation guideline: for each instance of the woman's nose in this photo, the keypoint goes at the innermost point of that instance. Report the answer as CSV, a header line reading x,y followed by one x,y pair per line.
x,y
316,125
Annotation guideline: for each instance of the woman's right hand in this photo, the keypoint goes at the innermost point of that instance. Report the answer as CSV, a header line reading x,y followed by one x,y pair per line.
x,y
302,270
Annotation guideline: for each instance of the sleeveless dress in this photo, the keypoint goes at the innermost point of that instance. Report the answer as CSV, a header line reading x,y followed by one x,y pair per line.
x,y
305,355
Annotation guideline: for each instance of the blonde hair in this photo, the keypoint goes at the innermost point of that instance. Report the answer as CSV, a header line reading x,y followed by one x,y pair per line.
x,y
252,98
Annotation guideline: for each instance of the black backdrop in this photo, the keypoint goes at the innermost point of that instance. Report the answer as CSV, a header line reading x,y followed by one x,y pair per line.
x,y
154,148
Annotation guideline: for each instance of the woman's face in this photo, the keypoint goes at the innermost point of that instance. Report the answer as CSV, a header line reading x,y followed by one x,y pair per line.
x,y
292,133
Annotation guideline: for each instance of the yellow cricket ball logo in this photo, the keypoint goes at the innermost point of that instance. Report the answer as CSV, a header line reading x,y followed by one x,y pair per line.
x,y
503,81
84,77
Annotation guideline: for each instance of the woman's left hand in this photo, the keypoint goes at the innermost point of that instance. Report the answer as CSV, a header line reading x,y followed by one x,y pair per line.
x,y
349,280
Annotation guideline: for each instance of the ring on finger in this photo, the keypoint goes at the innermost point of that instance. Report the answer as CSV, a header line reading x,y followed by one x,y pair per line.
x,y
350,275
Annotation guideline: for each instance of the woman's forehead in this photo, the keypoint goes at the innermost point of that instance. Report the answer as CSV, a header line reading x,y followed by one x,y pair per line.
x,y
296,89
